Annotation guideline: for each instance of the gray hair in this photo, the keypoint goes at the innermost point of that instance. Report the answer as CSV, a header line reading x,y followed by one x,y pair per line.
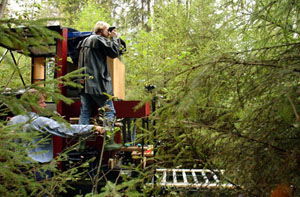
x,y
99,26
33,93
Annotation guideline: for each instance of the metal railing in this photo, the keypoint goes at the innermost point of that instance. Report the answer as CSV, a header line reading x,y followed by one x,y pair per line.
x,y
192,178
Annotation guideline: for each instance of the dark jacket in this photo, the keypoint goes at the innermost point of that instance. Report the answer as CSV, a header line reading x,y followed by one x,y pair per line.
x,y
93,52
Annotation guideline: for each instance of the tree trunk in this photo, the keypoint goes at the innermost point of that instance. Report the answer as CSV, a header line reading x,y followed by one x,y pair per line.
x,y
2,7
148,15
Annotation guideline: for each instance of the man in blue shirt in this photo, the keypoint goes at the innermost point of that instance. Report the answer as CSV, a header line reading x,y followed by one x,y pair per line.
x,y
42,149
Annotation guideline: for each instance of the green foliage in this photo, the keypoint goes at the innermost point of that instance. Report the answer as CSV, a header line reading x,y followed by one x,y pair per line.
x,y
91,13
13,37
17,169
227,85
82,15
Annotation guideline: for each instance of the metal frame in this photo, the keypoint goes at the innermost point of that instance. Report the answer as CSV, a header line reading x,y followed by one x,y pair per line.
x,y
16,64
209,182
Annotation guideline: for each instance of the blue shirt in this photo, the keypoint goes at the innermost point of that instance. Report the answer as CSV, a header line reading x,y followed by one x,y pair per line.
x,y
43,152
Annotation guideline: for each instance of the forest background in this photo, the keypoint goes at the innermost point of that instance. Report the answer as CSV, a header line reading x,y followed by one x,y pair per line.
x,y
226,74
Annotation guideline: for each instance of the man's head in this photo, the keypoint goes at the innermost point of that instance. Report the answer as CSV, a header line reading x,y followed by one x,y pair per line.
x,y
101,28
38,98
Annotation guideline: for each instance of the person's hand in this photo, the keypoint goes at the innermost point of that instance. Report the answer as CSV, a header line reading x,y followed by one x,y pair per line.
x,y
98,130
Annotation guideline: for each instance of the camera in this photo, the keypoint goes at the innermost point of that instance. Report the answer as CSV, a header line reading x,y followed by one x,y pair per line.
x,y
111,28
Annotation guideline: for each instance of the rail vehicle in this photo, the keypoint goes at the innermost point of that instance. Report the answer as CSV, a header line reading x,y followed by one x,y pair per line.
x,y
61,52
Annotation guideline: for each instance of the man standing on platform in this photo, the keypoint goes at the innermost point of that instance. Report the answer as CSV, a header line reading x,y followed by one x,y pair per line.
x,y
98,82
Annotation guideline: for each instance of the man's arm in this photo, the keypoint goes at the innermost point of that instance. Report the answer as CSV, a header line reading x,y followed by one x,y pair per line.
x,y
111,47
60,129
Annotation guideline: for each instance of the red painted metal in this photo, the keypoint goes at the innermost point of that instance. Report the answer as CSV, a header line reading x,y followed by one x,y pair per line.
x,y
128,109
61,52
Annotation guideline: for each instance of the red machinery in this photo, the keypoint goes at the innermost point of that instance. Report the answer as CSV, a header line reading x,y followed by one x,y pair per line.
x,y
61,50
